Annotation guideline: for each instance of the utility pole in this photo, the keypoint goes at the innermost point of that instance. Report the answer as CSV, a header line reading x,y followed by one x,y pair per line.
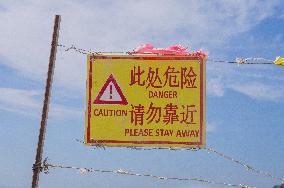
x,y
44,116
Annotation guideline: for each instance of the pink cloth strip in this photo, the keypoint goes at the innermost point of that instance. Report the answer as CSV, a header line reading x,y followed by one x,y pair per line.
x,y
171,50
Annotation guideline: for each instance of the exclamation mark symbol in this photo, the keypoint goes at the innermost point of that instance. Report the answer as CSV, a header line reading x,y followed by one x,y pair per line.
x,y
110,91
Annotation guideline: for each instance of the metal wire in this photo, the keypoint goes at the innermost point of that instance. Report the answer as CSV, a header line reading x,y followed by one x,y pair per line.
x,y
208,150
249,61
83,51
100,146
46,166
246,166
72,47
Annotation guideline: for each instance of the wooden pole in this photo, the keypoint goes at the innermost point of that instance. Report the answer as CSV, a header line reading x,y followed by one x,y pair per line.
x,y
52,57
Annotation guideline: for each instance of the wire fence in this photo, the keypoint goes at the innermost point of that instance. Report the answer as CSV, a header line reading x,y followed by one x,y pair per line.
x,y
46,166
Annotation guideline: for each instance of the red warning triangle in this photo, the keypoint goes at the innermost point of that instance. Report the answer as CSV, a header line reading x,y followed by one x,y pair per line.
x,y
110,93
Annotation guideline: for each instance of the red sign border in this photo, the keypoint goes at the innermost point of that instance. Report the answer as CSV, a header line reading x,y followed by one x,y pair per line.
x,y
201,61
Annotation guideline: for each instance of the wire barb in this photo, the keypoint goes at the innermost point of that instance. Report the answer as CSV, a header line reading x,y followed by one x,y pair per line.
x,y
95,145
42,166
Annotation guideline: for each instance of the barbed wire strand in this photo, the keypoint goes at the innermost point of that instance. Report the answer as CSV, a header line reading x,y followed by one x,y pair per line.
x,y
82,51
237,61
246,166
45,167
209,150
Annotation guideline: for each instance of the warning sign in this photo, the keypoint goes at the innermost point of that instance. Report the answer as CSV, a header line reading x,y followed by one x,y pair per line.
x,y
135,100
110,93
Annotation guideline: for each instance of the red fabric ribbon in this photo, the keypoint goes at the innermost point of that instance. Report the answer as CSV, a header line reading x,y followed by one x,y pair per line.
x,y
171,50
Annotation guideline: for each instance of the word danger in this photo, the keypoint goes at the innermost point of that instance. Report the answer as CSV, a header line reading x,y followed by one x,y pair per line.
x,y
161,132
162,94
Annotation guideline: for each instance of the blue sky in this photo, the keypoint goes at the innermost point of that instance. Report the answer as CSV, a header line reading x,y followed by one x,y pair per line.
x,y
244,103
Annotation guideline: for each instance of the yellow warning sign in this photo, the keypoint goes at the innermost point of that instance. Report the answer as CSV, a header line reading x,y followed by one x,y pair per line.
x,y
135,100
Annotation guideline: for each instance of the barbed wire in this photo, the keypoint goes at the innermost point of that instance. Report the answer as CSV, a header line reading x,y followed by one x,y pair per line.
x,y
101,146
237,60
245,61
208,150
45,167
245,165
83,51
72,47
